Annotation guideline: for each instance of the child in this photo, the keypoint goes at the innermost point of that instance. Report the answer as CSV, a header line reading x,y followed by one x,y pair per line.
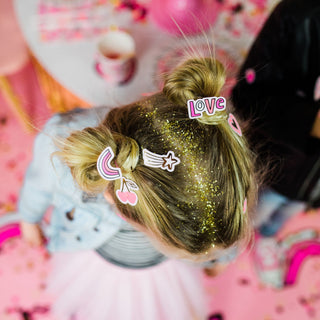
x,y
151,186
279,88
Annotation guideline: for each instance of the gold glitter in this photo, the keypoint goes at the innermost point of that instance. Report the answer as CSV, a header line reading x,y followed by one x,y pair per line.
x,y
201,187
188,149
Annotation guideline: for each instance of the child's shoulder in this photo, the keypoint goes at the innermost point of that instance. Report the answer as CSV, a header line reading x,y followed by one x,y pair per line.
x,y
61,124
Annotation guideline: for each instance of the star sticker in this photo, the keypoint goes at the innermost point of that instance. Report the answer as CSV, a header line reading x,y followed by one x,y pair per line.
x,y
169,161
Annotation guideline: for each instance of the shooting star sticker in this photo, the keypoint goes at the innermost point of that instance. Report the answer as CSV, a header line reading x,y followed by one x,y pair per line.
x,y
165,162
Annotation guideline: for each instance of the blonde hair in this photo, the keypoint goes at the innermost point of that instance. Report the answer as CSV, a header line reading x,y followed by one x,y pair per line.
x,y
199,204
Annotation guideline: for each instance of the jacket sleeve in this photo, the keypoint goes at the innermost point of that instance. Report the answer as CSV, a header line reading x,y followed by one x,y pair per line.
x,y
229,255
276,83
37,190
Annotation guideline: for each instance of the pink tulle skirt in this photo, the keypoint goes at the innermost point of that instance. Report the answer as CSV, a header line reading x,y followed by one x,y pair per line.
x,y
87,287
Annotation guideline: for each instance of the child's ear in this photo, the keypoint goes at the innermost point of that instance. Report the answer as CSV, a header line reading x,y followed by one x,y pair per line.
x,y
108,197
110,200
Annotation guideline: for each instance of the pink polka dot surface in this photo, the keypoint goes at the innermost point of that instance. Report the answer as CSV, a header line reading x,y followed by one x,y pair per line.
x,y
23,273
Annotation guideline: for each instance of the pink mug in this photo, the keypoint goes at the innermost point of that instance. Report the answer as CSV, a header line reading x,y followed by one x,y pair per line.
x,y
115,60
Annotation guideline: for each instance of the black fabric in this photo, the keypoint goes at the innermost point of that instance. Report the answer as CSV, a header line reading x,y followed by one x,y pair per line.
x,y
279,103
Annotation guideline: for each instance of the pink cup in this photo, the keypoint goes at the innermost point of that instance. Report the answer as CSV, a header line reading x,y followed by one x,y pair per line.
x,y
116,56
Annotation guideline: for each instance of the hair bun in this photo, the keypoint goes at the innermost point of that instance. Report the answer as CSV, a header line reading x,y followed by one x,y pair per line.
x,y
128,152
195,78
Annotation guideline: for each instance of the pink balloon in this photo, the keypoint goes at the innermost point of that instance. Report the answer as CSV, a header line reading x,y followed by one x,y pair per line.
x,y
192,16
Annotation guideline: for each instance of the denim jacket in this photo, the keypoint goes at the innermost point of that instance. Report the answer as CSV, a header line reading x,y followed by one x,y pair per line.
x,y
49,183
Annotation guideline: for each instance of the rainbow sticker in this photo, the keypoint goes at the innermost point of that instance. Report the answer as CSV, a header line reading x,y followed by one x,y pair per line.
x,y
104,167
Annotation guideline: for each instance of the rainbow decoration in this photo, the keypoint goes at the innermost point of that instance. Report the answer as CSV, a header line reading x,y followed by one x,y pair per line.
x,y
296,256
104,167
9,227
9,231
278,262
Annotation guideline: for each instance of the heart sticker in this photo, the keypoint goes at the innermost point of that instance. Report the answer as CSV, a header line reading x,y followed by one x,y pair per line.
x,y
233,123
